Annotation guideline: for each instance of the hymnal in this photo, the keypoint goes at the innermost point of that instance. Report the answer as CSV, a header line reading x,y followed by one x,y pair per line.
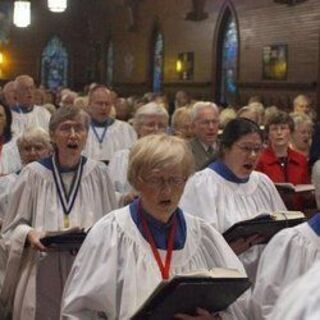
x,y
67,239
289,187
213,290
265,225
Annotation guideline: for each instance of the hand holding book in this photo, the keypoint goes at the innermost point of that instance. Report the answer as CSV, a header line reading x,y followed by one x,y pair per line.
x,y
243,244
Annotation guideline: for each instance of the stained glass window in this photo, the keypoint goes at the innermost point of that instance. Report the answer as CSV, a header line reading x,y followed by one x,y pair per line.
x,y
54,65
229,62
110,64
157,63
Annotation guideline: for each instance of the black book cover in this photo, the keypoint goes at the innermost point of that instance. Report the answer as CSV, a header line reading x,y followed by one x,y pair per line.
x,y
266,227
183,294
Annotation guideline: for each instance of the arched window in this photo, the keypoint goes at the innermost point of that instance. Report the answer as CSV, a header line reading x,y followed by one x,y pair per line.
x,y
109,64
157,62
54,65
228,60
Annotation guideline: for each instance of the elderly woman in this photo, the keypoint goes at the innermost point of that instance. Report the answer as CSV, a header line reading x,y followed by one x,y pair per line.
x,y
9,155
181,123
159,166
149,119
33,145
302,133
281,163
62,191
229,190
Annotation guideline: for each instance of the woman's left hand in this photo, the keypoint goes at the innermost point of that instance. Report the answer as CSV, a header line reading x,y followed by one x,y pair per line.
x,y
202,315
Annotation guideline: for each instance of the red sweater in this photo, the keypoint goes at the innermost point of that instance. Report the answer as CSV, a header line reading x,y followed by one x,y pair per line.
x,y
296,171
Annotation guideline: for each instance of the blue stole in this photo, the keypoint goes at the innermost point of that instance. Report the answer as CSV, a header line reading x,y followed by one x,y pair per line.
x,y
222,170
160,230
314,223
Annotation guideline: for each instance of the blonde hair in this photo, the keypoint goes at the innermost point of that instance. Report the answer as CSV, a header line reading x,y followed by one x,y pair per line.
x,y
226,115
301,98
159,152
181,115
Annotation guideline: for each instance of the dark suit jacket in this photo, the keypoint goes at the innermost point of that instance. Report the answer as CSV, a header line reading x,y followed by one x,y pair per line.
x,y
201,157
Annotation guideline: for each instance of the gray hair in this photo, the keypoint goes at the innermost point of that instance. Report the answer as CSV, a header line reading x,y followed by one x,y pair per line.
x,y
34,135
198,106
68,113
299,118
149,109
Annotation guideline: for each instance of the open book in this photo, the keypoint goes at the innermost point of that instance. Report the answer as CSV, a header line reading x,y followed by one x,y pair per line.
x,y
212,290
66,239
266,225
287,186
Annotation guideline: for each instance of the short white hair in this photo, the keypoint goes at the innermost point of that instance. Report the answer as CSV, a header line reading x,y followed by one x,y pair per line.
x,y
149,109
198,106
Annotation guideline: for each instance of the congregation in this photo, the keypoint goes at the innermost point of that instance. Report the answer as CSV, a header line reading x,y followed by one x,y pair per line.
x,y
157,182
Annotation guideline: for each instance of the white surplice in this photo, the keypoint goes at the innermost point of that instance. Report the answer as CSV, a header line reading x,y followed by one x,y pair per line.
x,y
36,204
223,203
288,255
10,158
301,299
119,135
6,185
115,270
37,117
118,169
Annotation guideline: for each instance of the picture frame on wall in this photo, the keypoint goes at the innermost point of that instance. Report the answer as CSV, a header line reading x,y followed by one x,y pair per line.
x,y
275,62
187,65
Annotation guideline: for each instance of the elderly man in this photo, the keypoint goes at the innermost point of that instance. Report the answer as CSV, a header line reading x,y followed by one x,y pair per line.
x,y
26,115
205,125
9,94
106,135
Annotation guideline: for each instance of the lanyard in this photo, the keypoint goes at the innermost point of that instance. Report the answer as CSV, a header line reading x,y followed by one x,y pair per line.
x,y
164,268
67,199
100,138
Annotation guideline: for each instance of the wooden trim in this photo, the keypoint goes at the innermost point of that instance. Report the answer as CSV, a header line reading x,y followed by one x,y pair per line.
x,y
187,84
278,85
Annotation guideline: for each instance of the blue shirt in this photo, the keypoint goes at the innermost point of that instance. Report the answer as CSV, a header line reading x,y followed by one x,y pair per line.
x,y
160,230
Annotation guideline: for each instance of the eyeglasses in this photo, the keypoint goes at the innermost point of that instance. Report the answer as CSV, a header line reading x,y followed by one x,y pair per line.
x,y
250,149
67,128
160,182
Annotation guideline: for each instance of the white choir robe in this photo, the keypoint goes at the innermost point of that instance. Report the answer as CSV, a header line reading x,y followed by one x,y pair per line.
x,y
37,117
223,203
301,299
36,205
115,270
288,255
119,135
6,185
118,169
10,158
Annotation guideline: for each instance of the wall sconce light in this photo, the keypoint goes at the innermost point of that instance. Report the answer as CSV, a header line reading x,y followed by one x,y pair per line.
x,y
22,13
179,66
184,65
57,5
1,64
